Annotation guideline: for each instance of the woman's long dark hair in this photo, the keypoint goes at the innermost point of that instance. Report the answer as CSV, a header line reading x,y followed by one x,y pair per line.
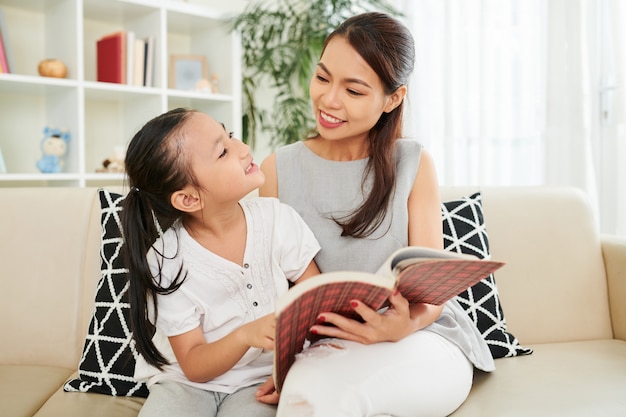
x,y
156,165
388,47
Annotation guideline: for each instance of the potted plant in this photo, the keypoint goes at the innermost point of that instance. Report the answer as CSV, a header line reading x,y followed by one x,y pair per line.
x,y
281,43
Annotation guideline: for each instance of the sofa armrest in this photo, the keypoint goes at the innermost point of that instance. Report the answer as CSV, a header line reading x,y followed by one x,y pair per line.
x,y
614,253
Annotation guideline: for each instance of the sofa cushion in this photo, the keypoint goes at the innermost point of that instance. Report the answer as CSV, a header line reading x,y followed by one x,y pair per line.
x,y
570,379
62,404
465,232
45,262
107,364
25,388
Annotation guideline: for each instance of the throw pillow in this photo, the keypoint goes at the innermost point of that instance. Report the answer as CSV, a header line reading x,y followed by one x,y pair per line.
x,y
465,232
108,361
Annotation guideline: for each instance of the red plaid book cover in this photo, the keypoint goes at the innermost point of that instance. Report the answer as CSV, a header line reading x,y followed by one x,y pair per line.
x,y
436,281
295,320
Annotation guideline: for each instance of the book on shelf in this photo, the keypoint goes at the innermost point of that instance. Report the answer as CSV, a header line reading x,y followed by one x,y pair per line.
x,y
149,62
6,56
421,275
3,63
139,53
3,167
4,66
111,58
130,56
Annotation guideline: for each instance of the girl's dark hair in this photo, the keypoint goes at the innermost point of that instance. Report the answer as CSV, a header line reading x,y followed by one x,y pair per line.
x,y
156,166
388,47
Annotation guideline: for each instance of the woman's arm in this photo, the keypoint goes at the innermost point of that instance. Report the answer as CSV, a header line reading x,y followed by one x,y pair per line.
x,y
425,227
270,187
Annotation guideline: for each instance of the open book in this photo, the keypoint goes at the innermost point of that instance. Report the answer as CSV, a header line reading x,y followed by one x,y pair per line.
x,y
422,275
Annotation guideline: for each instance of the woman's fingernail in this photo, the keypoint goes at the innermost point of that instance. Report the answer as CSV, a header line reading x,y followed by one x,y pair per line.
x,y
354,304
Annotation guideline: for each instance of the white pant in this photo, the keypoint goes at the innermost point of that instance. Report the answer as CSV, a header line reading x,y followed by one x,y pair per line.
x,y
421,375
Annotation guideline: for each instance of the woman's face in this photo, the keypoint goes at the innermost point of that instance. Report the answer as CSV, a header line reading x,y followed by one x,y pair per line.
x,y
347,95
221,164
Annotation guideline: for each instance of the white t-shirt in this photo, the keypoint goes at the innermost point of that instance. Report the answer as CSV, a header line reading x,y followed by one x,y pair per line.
x,y
220,296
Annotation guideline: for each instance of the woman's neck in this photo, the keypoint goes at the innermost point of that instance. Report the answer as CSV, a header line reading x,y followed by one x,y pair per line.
x,y
339,150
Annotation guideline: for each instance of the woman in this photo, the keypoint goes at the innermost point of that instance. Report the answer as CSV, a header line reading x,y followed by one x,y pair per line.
x,y
365,192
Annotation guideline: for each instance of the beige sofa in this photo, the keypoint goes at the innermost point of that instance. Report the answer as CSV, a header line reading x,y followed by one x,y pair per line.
x,y
563,292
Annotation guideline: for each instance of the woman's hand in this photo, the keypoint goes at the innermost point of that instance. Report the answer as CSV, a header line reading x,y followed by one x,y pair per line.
x,y
394,324
267,392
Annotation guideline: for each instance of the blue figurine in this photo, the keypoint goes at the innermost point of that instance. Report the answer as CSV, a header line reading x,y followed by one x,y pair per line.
x,y
54,147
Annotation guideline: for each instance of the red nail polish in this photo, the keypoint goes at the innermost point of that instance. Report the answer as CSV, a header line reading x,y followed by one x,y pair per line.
x,y
321,319
313,331
354,304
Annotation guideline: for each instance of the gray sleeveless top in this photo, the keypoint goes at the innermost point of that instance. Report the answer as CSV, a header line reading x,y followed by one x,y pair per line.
x,y
320,189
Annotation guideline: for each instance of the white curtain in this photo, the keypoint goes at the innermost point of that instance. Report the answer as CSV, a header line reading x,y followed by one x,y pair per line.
x,y
512,92
608,24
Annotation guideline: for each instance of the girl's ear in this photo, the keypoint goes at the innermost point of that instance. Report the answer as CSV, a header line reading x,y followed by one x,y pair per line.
x,y
186,200
395,99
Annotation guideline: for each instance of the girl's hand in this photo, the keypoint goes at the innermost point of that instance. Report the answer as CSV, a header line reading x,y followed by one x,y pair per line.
x,y
397,322
259,333
267,392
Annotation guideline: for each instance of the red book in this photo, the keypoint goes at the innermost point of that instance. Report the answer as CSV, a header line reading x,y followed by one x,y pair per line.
x,y
111,58
422,275
4,66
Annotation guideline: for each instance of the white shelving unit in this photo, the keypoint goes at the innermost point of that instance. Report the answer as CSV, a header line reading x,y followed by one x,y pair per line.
x,y
102,116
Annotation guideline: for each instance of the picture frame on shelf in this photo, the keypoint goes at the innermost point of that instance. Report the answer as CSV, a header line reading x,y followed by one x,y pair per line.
x,y
186,71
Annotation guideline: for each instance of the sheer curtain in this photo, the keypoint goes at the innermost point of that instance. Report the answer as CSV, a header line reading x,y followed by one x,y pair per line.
x,y
608,24
523,92
477,92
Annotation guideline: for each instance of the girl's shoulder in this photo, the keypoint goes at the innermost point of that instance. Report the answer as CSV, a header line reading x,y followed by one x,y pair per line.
x,y
271,209
260,203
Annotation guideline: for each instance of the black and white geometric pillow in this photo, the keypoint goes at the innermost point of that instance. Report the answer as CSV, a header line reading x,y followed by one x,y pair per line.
x,y
465,232
108,361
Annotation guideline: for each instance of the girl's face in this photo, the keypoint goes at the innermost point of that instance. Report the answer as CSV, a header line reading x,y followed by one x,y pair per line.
x,y
221,164
347,95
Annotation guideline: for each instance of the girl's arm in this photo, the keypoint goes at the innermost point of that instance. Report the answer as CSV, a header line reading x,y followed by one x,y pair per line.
x,y
266,393
197,358
202,361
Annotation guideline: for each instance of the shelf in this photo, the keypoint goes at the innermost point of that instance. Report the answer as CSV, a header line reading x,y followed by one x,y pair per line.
x,y
109,91
28,84
103,116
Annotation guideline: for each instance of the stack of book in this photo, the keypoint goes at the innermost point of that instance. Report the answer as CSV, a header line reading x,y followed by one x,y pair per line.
x,y
124,58
6,58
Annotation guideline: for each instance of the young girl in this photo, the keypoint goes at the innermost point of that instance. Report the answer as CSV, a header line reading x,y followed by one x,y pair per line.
x,y
205,268
366,192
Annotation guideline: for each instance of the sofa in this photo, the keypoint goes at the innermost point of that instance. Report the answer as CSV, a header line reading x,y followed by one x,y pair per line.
x,y
563,291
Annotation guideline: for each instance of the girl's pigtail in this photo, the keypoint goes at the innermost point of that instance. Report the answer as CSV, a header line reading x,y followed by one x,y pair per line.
x,y
140,231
